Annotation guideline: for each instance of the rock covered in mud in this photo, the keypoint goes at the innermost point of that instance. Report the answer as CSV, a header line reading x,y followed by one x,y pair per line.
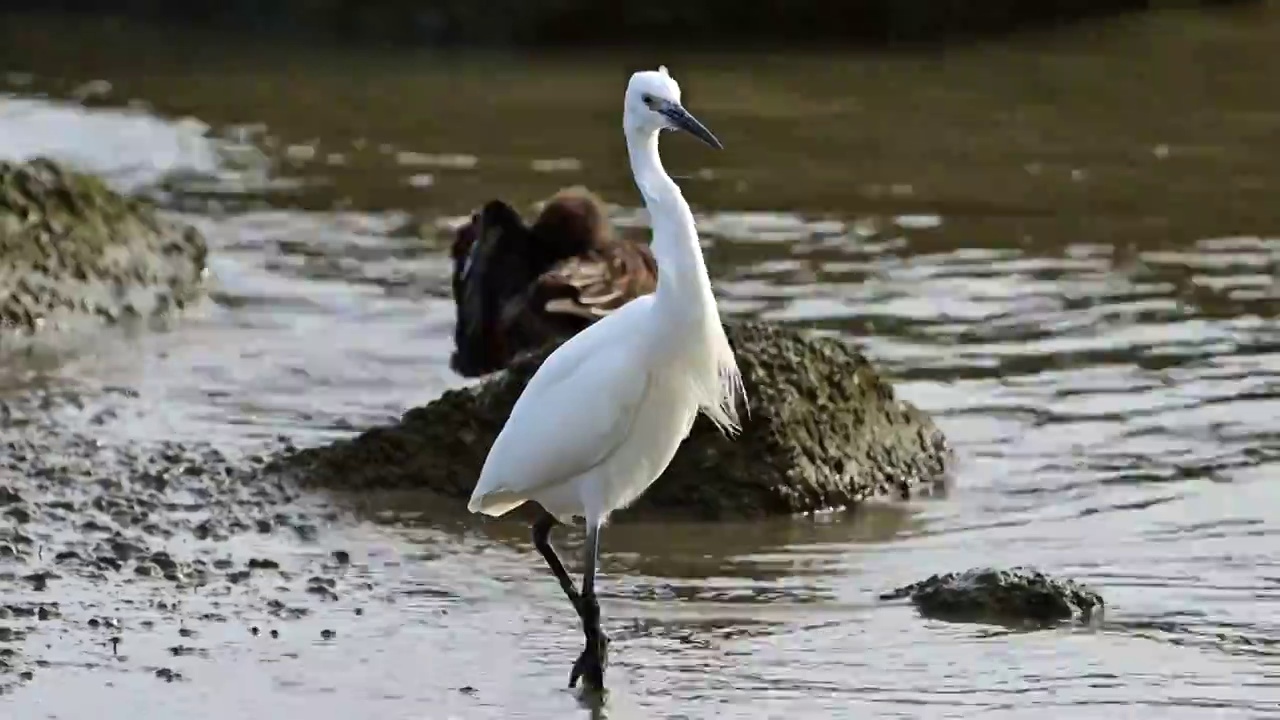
x,y
824,430
70,246
1015,596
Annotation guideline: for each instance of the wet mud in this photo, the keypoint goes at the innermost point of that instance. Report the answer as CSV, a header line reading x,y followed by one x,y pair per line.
x,y
101,542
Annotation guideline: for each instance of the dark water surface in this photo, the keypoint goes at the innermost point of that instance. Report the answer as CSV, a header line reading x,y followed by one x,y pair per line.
x,y
1066,247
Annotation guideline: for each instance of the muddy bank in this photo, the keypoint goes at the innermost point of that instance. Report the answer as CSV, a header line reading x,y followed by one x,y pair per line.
x,y
73,249
657,22
100,543
1019,596
824,430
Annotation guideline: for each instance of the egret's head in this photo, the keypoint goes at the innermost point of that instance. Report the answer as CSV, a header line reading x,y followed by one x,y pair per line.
x,y
653,104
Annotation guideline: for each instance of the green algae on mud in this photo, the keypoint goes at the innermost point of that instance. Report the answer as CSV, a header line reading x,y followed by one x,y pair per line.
x,y
1019,596
71,247
823,431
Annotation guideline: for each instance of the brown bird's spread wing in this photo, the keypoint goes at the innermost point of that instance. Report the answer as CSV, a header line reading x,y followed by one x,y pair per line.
x,y
584,287
598,283
579,291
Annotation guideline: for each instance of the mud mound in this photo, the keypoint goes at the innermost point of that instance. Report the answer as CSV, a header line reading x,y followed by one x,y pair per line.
x,y
1018,596
70,247
825,430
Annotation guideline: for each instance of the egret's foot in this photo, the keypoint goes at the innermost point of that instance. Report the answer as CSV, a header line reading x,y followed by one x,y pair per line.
x,y
591,663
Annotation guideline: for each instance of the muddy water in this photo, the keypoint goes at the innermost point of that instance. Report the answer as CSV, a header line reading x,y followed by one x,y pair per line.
x,y
1066,247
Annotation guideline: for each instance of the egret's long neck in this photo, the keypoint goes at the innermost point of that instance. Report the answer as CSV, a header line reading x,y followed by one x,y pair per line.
x,y
682,272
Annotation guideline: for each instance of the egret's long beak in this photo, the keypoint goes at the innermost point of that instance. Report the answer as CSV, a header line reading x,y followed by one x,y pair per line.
x,y
687,122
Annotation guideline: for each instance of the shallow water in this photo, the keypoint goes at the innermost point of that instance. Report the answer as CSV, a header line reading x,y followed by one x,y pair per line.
x,y
1066,247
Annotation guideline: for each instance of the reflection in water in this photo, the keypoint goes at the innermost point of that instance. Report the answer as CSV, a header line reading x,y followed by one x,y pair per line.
x,y
1068,252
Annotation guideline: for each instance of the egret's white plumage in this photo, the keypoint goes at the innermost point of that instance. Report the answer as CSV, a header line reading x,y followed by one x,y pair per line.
x,y
604,415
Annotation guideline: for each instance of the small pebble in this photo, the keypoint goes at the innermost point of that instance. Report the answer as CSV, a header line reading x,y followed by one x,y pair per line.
x,y
306,531
40,580
66,556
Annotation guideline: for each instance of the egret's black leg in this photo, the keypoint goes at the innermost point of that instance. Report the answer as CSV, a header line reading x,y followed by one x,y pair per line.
x,y
542,541
591,663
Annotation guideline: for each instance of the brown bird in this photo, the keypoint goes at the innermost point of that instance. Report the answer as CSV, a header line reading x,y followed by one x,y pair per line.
x,y
518,287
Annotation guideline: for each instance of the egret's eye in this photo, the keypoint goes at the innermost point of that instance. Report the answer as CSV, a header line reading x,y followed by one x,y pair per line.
x,y
647,99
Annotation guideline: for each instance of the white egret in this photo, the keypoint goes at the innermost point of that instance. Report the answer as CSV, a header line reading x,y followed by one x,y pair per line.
x,y
604,414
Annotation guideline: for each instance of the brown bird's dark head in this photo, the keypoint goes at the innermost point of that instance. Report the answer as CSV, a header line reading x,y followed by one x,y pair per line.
x,y
572,222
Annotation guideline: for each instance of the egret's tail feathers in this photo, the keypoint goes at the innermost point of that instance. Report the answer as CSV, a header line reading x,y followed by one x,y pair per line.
x,y
721,403
494,504
732,389
723,410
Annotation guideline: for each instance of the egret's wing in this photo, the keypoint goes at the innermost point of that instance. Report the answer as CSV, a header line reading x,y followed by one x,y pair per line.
x,y
566,421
